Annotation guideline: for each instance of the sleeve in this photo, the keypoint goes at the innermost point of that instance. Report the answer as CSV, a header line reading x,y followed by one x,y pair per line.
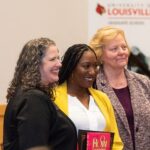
x,y
34,119
117,144
147,93
143,82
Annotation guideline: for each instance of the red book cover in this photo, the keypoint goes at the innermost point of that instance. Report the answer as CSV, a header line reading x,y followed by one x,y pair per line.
x,y
98,141
95,140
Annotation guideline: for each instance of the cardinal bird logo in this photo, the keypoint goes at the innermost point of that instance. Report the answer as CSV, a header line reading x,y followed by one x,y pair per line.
x,y
100,9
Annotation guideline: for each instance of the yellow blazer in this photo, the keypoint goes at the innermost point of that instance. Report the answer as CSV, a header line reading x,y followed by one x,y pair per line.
x,y
101,99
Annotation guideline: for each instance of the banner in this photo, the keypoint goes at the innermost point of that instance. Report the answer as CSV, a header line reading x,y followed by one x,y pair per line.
x,y
132,16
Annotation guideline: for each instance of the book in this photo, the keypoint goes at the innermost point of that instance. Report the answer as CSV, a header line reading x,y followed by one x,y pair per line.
x,y
98,141
95,140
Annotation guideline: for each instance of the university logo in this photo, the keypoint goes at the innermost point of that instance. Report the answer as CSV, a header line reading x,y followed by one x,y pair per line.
x,y
100,9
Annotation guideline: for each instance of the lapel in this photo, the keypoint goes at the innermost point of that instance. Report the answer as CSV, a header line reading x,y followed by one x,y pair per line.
x,y
136,95
61,97
103,85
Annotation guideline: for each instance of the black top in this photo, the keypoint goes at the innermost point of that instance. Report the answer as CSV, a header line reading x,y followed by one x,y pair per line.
x,y
32,119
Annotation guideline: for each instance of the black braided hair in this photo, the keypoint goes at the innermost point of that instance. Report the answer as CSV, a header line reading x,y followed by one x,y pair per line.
x,y
71,59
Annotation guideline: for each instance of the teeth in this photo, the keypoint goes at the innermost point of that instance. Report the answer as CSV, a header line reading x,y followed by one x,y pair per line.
x,y
90,79
56,70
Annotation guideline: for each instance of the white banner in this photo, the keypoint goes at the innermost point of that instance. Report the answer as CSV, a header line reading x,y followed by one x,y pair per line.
x,y
133,16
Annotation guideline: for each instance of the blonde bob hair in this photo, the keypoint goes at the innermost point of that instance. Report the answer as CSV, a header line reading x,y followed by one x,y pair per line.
x,y
104,35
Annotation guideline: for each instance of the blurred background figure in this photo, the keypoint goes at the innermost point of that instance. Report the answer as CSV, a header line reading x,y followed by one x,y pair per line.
x,y
138,62
88,108
31,118
128,91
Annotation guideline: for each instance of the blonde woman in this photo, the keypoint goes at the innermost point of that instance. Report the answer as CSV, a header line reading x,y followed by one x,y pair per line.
x,y
128,91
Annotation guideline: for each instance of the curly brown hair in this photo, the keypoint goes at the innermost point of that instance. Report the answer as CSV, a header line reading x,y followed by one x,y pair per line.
x,y
27,73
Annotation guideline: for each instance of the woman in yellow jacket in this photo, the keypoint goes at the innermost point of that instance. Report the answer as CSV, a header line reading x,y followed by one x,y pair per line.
x,y
88,108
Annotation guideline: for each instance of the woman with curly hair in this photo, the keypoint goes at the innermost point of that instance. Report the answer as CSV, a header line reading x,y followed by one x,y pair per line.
x,y
31,118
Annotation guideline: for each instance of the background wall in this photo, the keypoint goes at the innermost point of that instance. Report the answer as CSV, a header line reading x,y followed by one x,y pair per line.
x,y
66,22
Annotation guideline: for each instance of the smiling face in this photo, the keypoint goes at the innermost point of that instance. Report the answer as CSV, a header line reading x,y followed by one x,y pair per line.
x,y
115,53
50,65
86,70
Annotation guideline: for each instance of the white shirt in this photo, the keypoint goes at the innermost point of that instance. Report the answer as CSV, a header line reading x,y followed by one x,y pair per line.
x,y
83,118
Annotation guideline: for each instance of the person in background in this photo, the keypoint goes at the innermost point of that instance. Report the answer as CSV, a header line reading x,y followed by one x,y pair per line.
x,y
32,120
88,108
128,92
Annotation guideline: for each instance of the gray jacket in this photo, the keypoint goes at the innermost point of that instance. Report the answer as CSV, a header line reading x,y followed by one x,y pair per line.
x,y
139,87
